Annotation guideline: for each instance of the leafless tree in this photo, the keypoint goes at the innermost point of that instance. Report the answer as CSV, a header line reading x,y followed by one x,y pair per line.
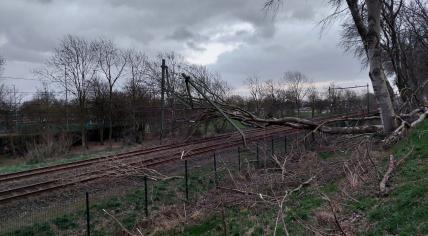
x,y
2,64
334,98
10,99
269,94
2,86
370,35
313,97
111,63
99,103
402,25
136,67
295,83
256,91
73,66
377,74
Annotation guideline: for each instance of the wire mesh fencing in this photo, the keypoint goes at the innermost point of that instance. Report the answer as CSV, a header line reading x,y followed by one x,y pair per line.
x,y
187,182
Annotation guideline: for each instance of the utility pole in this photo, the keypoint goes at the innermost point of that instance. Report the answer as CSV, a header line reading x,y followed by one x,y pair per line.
x,y
15,106
163,66
330,97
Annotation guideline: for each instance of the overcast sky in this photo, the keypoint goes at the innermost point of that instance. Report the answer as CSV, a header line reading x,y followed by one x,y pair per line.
x,y
233,37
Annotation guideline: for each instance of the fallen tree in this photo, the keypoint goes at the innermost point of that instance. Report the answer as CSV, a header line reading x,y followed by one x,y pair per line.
x,y
217,107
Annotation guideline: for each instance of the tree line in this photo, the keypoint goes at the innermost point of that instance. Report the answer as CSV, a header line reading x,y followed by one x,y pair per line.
x,y
390,37
294,91
96,82
100,83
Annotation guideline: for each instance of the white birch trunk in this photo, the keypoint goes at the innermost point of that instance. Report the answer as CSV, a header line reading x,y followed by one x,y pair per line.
x,y
377,74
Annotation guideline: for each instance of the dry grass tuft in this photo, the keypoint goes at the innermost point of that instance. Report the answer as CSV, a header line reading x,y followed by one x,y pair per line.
x,y
49,147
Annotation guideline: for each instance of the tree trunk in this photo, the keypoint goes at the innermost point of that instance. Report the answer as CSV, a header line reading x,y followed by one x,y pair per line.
x,y
83,132
365,33
143,130
110,129
82,121
102,134
135,125
12,145
313,109
376,73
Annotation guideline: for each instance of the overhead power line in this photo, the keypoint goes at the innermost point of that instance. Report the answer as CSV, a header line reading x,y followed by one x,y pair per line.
x,y
18,78
356,86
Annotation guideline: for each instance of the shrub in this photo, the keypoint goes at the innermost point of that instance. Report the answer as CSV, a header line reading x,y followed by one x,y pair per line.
x,y
48,147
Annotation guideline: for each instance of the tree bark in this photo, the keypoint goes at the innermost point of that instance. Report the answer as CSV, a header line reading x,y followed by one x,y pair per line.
x,y
376,73
83,132
110,112
364,33
82,120
12,145
102,134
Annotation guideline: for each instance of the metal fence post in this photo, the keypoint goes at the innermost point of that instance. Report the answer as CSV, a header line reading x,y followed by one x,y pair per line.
x,y
88,219
186,180
146,202
239,159
215,171
163,66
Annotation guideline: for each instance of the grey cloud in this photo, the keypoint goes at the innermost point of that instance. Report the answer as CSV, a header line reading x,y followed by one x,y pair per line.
x,y
195,47
45,1
320,59
303,13
22,54
185,35
181,33
272,46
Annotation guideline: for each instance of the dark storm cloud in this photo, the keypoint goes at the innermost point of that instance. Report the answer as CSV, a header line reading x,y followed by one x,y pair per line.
x,y
236,36
181,33
195,47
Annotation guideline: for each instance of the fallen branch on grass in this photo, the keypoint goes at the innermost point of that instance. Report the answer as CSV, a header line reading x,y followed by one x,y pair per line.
x,y
121,225
281,204
333,210
264,196
119,168
420,119
392,165
401,131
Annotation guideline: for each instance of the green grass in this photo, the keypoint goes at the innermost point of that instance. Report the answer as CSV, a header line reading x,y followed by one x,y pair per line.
x,y
66,222
34,230
330,188
405,210
254,221
129,208
326,155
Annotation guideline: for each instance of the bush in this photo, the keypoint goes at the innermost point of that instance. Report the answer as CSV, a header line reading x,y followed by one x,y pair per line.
x,y
48,147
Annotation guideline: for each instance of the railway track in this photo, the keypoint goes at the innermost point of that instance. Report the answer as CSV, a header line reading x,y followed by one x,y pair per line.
x,y
77,164
157,156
